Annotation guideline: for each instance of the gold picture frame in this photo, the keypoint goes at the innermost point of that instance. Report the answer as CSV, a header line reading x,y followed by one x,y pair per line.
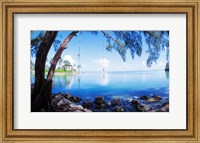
x,y
10,7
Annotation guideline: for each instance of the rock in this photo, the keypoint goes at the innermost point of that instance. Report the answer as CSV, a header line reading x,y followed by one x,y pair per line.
x,y
67,95
87,104
118,109
78,99
144,98
99,100
108,104
88,110
135,102
97,107
102,106
143,108
66,101
61,103
106,110
116,102
154,98
151,100
57,97
165,104
55,100
76,107
75,99
130,108
95,110
165,107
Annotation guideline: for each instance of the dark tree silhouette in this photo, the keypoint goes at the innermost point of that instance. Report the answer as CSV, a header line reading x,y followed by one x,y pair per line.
x,y
37,97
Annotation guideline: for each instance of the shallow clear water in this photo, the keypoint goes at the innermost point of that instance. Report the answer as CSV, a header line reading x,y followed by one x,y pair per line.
x,y
124,85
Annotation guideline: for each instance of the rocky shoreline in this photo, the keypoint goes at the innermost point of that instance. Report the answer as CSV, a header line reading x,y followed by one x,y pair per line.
x,y
68,103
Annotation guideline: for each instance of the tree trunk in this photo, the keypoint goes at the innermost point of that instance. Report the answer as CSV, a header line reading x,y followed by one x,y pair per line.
x,y
43,99
40,65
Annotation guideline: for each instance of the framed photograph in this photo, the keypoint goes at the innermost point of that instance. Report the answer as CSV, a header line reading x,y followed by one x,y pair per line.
x,y
99,71
102,82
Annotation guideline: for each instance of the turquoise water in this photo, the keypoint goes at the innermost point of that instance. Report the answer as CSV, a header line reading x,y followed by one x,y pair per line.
x,y
110,85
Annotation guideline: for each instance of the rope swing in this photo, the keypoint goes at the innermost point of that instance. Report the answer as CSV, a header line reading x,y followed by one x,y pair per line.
x,y
79,65
79,49
103,59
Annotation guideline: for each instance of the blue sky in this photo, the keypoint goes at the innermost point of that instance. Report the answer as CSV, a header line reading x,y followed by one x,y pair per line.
x,y
95,57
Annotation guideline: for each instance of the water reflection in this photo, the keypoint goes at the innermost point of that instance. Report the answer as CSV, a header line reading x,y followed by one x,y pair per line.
x,y
63,79
90,84
105,79
167,74
143,76
124,77
79,80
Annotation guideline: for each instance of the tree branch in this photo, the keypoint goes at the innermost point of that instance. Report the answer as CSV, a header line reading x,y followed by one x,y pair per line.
x,y
109,36
58,55
152,33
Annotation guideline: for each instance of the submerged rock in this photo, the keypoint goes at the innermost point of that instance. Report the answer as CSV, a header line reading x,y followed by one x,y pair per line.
x,y
144,98
68,103
99,100
143,108
135,102
154,98
106,110
118,109
102,106
116,102
108,104
164,107
165,104
87,104
67,95
75,99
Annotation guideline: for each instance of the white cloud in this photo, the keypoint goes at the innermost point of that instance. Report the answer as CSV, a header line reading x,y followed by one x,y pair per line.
x,y
70,59
103,62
